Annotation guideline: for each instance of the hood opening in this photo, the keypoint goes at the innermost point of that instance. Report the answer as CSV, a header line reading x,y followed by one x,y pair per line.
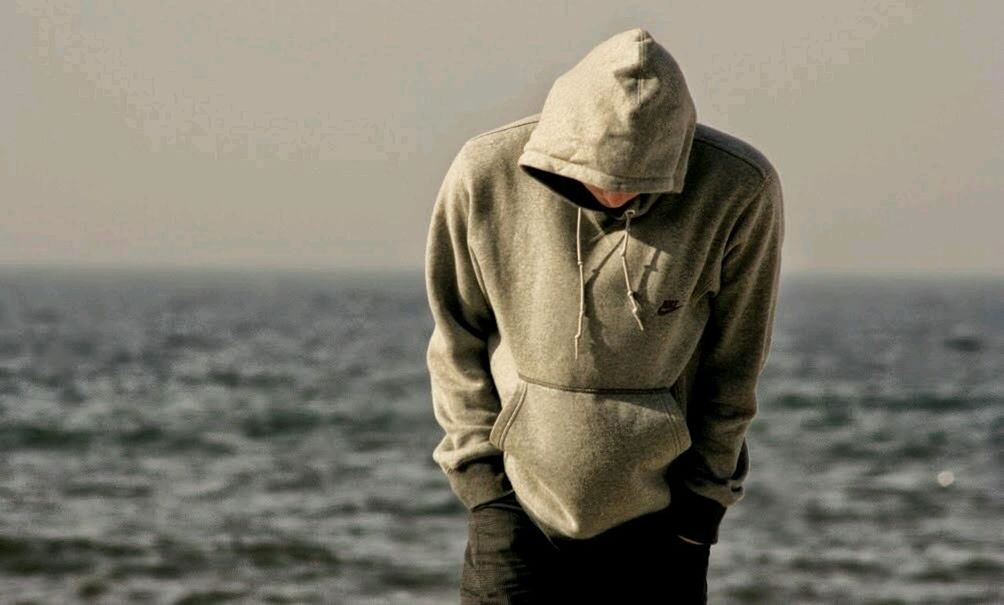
x,y
572,190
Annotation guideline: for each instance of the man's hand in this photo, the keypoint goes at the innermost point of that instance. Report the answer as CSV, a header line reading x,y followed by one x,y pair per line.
x,y
690,541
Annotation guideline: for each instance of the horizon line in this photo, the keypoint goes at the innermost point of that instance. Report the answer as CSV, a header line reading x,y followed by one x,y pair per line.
x,y
389,270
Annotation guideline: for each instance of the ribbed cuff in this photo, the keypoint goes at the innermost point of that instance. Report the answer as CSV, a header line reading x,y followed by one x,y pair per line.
x,y
694,516
480,481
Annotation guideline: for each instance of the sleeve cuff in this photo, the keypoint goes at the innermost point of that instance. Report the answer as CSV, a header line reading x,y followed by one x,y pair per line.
x,y
480,481
694,516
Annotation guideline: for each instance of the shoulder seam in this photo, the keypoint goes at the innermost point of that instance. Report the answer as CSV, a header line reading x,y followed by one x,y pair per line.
x,y
760,169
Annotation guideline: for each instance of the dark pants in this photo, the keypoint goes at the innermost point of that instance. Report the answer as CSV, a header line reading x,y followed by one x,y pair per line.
x,y
509,560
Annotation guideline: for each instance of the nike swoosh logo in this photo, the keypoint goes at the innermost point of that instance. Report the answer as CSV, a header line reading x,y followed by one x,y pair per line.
x,y
668,306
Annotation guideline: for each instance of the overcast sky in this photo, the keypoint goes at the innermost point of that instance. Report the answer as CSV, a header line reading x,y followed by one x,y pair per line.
x,y
315,134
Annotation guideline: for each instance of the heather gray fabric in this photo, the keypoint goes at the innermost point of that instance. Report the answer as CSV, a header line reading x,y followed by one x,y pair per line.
x,y
600,389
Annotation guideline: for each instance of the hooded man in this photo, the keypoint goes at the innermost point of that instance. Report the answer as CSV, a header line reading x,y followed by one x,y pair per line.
x,y
595,409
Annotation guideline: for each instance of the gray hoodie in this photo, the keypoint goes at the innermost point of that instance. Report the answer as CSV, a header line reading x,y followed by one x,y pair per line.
x,y
602,364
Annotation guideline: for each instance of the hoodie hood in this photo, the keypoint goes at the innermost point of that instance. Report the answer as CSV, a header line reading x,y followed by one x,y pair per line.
x,y
621,119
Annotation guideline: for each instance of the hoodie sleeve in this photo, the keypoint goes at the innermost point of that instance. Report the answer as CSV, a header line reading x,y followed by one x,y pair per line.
x,y
709,477
465,399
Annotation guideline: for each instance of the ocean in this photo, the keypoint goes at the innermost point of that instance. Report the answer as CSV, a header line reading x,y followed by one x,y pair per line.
x,y
195,437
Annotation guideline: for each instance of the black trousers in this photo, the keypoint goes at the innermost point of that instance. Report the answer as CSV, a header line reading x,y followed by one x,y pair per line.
x,y
509,560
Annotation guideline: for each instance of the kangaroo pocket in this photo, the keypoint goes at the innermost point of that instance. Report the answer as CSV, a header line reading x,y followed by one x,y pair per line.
x,y
583,461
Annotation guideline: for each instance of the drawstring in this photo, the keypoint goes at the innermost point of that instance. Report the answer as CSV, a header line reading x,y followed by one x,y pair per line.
x,y
627,278
582,281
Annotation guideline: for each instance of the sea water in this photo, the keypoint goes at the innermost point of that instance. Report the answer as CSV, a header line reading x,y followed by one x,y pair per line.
x,y
265,437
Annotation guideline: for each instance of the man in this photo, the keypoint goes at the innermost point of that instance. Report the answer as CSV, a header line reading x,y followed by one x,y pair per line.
x,y
595,415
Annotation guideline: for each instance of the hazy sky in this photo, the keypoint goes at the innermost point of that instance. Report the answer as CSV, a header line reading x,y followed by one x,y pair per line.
x,y
315,134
